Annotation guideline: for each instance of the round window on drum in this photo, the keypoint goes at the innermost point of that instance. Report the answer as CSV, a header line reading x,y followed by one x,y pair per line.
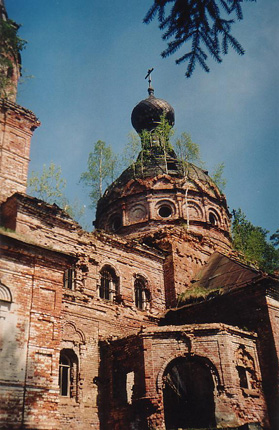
x,y
165,211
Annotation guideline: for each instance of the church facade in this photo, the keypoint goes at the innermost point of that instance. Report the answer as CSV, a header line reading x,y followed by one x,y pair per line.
x,y
93,332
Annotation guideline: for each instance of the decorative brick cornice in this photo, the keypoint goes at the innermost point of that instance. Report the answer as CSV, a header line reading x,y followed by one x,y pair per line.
x,y
7,105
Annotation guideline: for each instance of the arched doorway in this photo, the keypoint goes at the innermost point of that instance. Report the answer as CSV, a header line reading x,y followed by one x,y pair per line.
x,y
188,394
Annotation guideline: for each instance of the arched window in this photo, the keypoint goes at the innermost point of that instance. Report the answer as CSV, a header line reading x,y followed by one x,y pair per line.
x,y
109,285
116,222
142,293
213,219
5,300
68,371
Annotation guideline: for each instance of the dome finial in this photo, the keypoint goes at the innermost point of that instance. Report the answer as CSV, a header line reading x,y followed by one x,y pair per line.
x,y
3,12
147,114
150,89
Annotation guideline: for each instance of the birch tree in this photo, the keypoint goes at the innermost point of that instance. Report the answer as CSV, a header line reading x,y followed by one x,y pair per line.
x,y
50,187
101,170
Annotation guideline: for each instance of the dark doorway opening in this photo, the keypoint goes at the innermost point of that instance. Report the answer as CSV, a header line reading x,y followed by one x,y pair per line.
x,y
188,395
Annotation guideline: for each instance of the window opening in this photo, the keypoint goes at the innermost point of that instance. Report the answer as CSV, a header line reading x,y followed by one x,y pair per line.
x,y
172,166
165,211
212,219
70,278
109,284
142,294
5,301
68,373
123,385
116,223
242,373
64,376
246,370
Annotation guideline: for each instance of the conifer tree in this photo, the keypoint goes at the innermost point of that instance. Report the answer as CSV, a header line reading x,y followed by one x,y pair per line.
x,y
205,24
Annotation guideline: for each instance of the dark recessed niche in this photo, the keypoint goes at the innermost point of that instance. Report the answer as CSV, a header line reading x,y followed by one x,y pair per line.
x,y
172,166
212,219
165,211
116,223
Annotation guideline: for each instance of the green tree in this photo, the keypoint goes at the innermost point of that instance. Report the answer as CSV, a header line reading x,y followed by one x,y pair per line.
x,y
49,186
102,162
101,170
162,133
187,151
253,243
218,177
131,151
206,25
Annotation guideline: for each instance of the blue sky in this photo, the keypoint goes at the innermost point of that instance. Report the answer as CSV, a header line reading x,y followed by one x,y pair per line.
x,y
89,59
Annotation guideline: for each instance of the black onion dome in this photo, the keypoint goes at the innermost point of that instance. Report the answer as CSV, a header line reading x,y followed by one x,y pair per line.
x,y
147,114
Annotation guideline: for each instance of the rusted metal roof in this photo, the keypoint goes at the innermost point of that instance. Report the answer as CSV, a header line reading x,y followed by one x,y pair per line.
x,y
223,272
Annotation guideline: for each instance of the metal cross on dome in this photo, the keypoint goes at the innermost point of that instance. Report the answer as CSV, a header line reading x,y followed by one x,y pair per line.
x,y
149,76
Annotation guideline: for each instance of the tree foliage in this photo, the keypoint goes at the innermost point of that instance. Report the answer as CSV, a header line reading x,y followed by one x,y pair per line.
x,y
10,46
131,151
103,164
49,186
101,170
205,24
10,43
187,151
253,243
162,134
218,176
275,238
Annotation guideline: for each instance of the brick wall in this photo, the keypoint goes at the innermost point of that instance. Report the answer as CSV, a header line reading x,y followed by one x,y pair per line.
x,y
32,335
75,319
149,354
16,128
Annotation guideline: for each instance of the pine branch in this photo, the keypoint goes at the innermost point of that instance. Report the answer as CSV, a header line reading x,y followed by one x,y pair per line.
x,y
203,23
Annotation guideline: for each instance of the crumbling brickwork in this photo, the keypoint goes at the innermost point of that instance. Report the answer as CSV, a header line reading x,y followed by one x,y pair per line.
x,y
31,334
149,322
223,350
61,318
16,127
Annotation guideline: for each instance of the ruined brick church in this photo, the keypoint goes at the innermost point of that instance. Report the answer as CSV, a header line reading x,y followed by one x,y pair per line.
x,y
151,321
